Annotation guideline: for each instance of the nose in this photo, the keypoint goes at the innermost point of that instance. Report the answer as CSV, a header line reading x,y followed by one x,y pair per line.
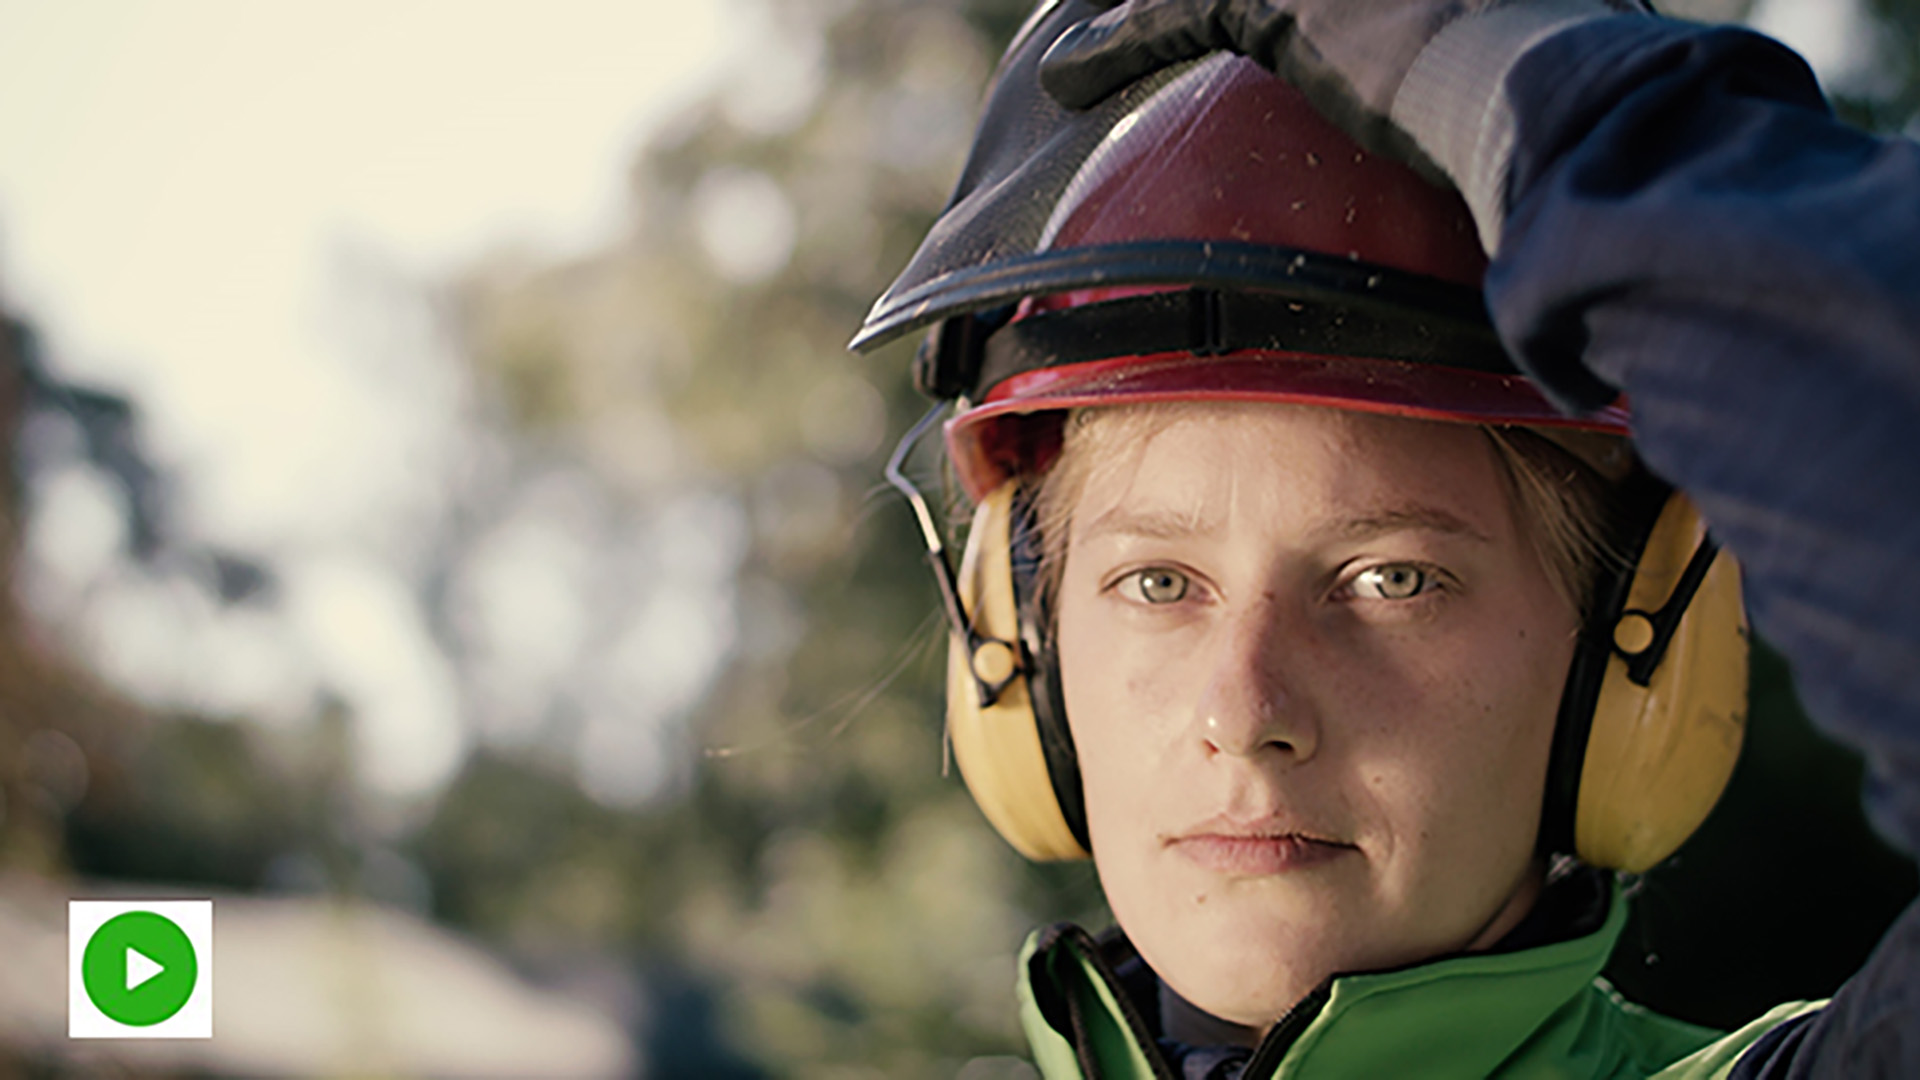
x,y
1250,705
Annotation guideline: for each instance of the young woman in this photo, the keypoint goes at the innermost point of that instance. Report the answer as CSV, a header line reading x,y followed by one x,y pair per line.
x,y
1357,665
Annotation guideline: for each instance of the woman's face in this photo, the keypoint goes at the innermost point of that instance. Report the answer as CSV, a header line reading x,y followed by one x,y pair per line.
x,y
1311,665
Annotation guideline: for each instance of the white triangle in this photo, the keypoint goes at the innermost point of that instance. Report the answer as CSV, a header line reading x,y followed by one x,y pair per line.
x,y
139,968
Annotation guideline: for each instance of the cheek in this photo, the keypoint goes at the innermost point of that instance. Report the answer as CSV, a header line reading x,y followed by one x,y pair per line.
x,y
1126,694
1120,710
1520,675
1470,780
1107,693
1444,738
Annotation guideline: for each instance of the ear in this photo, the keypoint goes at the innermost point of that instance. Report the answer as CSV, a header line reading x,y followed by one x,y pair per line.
x,y
1667,725
999,745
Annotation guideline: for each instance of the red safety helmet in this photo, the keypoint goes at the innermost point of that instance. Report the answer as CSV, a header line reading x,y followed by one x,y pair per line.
x,y
1205,235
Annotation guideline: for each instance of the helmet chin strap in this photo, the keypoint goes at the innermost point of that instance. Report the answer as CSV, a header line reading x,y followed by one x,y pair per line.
x,y
993,662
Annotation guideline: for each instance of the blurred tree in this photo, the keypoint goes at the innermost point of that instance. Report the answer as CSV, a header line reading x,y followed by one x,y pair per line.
x,y
1888,97
843,899
57,723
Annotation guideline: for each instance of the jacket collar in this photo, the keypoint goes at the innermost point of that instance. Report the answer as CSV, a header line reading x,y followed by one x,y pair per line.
x,y
1460,1015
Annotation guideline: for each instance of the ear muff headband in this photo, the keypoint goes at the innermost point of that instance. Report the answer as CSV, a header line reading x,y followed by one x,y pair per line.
x,y
1651,720
999,745
1042,672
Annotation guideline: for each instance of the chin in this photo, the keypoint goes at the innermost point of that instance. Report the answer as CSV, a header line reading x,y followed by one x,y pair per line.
x,y
1248,966
1241,989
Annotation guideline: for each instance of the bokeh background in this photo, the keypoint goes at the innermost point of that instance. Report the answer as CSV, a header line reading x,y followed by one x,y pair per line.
x,y
441,522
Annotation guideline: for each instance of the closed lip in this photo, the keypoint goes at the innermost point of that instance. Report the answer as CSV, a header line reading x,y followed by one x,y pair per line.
x,y
1256,848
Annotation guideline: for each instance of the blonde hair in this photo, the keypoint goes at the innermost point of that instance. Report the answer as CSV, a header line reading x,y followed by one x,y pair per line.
x,y
1561,502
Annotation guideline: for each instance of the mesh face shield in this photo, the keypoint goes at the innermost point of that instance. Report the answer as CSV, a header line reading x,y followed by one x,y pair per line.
x,y
1203,234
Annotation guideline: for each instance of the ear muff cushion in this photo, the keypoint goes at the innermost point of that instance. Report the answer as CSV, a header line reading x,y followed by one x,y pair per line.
x,y
998,746
1659,755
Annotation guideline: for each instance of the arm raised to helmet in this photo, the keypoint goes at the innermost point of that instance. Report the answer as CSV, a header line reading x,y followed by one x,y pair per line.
x,y
1672,212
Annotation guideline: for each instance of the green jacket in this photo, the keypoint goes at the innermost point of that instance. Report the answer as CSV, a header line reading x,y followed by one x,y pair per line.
x,y
1539,1012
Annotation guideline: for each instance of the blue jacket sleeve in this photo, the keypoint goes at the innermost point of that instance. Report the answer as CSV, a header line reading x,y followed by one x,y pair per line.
x,y
1688,223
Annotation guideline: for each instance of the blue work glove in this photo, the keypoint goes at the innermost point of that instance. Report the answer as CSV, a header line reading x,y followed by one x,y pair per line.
x,y
1419,80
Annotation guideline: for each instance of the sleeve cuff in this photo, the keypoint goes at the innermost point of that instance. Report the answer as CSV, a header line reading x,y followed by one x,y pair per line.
x,y
1454,103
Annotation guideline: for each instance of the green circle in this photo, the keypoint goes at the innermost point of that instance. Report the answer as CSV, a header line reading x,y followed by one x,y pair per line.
x,y
103,968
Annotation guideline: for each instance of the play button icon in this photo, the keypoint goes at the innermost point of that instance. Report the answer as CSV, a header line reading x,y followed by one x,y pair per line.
x,y
139,968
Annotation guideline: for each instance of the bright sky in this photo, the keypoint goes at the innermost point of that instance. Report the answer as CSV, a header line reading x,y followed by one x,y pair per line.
x,y
184,185
232,210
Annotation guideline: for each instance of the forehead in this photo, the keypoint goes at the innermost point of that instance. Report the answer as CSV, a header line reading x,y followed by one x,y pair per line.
x,y
1287,462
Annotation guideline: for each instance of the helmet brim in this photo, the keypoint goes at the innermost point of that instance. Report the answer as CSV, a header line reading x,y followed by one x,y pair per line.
x,y
1017,427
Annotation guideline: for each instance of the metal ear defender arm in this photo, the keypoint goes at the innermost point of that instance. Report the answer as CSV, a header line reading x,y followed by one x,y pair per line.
x,y
994,663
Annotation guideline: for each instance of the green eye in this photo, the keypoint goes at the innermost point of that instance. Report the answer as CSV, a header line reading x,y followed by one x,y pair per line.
x,y
1399,581
1161,585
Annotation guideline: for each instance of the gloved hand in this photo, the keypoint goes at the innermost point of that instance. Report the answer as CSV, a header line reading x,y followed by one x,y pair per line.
x,y
1351,58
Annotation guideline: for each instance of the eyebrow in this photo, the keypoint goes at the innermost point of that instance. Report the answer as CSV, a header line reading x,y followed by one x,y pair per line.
x,y
1408,518
1145,524
1161,524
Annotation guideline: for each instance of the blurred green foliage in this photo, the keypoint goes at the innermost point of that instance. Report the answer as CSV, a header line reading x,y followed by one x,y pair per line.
x,y
1889,100
843,900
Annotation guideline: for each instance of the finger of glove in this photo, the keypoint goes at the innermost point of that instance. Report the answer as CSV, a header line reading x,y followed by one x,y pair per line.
x,y
1096,57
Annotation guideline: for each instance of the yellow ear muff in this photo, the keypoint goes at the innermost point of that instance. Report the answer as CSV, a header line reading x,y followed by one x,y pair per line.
x,y
1663,742
998,744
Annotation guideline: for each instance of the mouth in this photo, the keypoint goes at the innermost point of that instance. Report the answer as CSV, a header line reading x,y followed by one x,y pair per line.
x,y
1255,851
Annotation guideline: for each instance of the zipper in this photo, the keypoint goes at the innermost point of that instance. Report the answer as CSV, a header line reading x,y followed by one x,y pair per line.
x,y
1281,1036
